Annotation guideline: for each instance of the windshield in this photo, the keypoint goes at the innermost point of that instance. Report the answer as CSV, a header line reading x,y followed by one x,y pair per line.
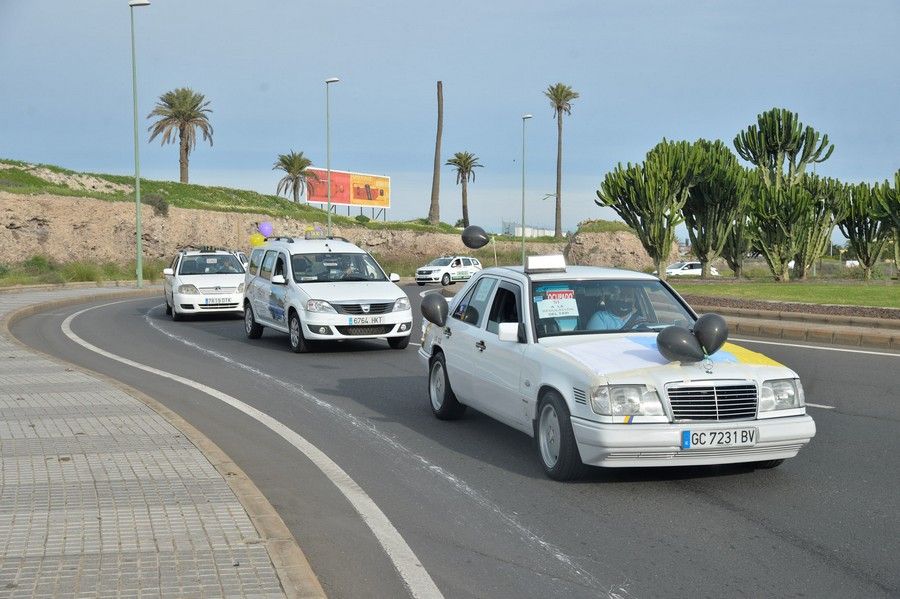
x,y
439,262
211,264
674,266
587,307
330,267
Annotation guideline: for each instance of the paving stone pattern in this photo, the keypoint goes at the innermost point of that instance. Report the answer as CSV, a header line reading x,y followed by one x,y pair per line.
x,y
101,497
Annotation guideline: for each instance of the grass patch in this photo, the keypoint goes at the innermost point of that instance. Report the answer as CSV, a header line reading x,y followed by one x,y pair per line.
x,y
41,270
850,293
603,226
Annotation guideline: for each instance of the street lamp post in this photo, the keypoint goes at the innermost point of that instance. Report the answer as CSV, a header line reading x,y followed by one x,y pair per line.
x,y
525,117
328,83
138,250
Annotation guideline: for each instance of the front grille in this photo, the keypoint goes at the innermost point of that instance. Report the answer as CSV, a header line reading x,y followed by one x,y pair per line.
x,y
217,290
375,329
713,402
217,306
357,308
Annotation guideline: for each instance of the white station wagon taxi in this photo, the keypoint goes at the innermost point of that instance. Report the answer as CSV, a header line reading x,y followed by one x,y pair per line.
x,y
569,355
323,290
204,281
448,270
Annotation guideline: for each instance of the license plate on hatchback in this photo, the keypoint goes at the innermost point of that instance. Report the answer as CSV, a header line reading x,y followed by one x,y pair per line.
x,y
217,300
707,439
366,320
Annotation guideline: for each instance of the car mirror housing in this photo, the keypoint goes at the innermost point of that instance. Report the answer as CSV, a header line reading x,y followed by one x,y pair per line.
x,y
168,272
434,308
278,280
509,331
395,278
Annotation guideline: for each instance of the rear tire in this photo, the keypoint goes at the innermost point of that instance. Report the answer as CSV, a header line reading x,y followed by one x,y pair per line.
x,y
299,344
768,464
556,444
398,342
445,280
253,329
444,404
420,284
168,309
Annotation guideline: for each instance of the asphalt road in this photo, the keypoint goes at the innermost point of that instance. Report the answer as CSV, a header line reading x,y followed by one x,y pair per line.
x,y
470,498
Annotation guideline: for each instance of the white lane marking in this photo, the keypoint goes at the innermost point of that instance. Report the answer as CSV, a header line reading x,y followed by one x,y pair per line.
x,y
849,351
816,405
405,561
427,291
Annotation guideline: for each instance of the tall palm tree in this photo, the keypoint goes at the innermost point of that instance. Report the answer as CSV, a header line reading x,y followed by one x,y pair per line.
x,y
465,164
296,166
182,110
560,96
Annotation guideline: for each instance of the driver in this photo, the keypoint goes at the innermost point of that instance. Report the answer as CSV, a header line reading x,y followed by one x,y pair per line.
x,y
613,311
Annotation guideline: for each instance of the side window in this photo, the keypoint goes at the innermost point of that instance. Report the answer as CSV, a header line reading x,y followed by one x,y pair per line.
x,y
472,308
175,262
506,307
455,263
279,266
267,264
466,262
255,259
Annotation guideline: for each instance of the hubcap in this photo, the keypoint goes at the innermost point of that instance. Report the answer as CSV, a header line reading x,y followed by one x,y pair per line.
x,y
436,385
248,319
295,332
548,431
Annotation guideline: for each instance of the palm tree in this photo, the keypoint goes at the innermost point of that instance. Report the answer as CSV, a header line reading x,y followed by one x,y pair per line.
x,y
560,96
182,110
296,166
465,164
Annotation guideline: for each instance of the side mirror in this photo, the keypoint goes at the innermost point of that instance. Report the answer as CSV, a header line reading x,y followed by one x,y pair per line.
x,y
395,278
509,331
434,308
168,272
278,280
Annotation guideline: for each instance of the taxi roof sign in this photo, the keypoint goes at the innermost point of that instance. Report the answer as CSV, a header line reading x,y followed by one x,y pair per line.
x,y
550,263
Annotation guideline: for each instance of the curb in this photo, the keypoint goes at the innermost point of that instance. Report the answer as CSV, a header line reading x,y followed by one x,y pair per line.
x,y
801,331
75,285
298,581
831,319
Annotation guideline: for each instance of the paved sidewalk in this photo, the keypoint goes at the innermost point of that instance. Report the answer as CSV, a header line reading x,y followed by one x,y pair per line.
x,y
101,497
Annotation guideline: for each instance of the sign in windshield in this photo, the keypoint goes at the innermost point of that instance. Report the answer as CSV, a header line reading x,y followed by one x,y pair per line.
x,y
332,267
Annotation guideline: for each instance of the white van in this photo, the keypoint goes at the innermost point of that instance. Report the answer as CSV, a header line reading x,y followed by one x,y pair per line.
x,y
323,290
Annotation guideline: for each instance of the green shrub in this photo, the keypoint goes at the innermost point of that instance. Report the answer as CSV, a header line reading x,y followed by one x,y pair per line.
x,y
37,265
82,271
361,218
602,226
159,204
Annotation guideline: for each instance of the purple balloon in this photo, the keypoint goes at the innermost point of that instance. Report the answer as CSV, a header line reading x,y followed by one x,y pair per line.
x,y
266,229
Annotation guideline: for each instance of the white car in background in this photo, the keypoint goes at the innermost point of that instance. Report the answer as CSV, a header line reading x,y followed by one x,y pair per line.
x,y
447,270
688,269
204,281
569,355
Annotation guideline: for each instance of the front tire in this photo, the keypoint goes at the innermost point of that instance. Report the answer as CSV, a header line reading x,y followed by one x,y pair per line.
x,y
168,309
445,280
557,448
420,284
175,315
444,404
299,344
253,329
398,342
768,464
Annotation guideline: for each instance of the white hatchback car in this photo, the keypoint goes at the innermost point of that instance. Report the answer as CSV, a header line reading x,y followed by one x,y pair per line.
x,y
448,270
204,281
323,290
570,356
688,269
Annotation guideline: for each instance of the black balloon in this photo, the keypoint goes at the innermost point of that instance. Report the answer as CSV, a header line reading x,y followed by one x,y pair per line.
x,y
677,344
711,331
474,237
434,309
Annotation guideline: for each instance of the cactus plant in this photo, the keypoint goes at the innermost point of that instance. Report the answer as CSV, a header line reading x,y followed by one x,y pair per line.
x,y
866,233
815,226
889,210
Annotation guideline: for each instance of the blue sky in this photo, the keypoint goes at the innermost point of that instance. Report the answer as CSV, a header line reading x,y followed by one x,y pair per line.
x,y
644,69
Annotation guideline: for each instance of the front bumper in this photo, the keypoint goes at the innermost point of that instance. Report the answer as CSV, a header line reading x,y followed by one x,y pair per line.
x,y
322,326
627,445
428,278
205,304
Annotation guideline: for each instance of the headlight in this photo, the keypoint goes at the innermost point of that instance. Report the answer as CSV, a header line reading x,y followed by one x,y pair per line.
x,y
783,394
240,288
401,304
626,400
188,290
320,306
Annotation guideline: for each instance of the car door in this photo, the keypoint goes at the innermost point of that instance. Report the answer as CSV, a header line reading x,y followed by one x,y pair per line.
x,y
461,333
498,364
260,288
169,281
277,303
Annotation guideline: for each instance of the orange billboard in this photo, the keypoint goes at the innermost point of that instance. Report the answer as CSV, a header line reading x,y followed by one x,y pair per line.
x,y
350,189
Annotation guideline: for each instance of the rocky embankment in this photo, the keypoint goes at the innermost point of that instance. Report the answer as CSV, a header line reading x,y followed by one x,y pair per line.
x,y
67,228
